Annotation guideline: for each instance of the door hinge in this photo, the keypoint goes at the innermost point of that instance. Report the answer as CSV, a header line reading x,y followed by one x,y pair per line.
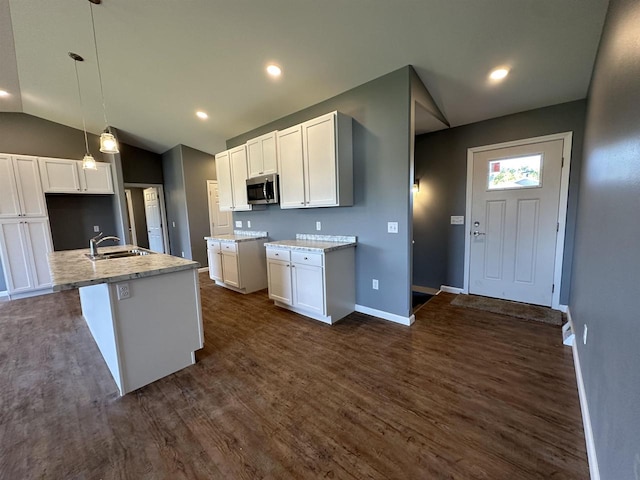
x,y
558,227
553,288
562,165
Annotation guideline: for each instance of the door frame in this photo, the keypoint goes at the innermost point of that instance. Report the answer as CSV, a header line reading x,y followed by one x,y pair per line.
x,y
567,138
132,223
163,210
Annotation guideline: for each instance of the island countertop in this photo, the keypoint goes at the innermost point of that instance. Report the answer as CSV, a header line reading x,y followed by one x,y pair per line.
x,y
73,269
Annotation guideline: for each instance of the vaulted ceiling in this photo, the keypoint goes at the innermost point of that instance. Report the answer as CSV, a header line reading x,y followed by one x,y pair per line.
x,y
162,60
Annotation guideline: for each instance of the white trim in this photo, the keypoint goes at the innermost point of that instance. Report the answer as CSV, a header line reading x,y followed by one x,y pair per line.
x,y
563,308
163,210
428,290
392,317
567,138
448,289
203,269
32,293
132,223
594,470
4,296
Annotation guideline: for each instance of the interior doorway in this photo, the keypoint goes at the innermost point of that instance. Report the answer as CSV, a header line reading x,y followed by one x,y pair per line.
x,y
147,216
220,223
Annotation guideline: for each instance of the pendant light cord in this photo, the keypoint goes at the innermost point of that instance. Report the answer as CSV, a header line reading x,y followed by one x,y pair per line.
x,y
95,45
84,126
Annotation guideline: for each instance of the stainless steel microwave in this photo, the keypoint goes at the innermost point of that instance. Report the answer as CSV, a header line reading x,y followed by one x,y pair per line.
x,y
262,189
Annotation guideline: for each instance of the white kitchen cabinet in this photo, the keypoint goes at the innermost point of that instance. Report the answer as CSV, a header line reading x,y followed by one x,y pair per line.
x,y
315,163
320,285
24,246
238,265
232,174
262,156
21,192
60,175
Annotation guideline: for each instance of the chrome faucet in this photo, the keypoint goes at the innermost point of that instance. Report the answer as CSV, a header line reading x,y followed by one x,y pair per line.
x,y
97,240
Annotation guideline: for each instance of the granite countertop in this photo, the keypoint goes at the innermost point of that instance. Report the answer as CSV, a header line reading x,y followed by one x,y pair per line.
x,y
239,236
315,243
73,269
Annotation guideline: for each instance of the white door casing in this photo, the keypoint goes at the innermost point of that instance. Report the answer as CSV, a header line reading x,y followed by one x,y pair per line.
x,y
154,219
517,250
130,213
220,222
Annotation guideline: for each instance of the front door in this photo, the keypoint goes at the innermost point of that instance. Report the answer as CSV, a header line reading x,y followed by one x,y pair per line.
x,y
514,222
220,223
154,219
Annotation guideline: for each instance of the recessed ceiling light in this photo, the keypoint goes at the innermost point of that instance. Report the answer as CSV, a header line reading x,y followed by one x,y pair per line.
x,y
4,93
202,115
499,73
274,70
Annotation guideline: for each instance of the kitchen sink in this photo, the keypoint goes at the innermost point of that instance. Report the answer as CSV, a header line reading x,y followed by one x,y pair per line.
x,y
134,252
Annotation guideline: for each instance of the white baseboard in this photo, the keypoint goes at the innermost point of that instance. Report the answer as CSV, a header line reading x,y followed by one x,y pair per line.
x,y
392,317
33,293
586,418
563,308
203,269
429,290
4,296
448,289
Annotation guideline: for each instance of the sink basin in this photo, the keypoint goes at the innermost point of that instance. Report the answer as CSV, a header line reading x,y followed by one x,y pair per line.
x,y
134,252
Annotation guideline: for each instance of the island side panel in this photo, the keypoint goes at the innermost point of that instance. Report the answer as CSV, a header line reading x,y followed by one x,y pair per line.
x,y
97,312
158,327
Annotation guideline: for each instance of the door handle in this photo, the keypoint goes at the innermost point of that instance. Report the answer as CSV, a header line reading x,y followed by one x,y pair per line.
x,y
476,233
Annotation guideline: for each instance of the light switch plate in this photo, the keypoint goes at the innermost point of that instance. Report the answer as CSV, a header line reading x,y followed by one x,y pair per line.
x,y
318,226
457,219
392,227
248,223
238,223
374,284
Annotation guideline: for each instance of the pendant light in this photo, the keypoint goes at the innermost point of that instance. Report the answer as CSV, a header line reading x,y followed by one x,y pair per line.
x,y
108,142
88,162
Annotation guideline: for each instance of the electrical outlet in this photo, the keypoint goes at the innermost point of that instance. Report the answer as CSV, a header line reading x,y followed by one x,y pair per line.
x,y
174,224
96,228
374,284
584,335
238,223
248,223
123,291
392,227
457,220
318,226
182,254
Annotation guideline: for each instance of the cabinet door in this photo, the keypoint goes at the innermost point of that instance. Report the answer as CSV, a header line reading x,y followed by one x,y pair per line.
x,y
279,276
9,202
223,173
308,287
96,181
238,157
269,153
254,157
215,262
291,168
59,175
230,270
319,146
38,238
15,256
29,187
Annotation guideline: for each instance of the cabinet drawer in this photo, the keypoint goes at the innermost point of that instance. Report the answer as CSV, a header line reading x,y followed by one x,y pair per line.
x,y
213,244
278,254
228,247
307,258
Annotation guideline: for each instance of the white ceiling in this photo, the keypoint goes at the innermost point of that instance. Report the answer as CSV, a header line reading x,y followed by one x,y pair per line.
x,y
163,59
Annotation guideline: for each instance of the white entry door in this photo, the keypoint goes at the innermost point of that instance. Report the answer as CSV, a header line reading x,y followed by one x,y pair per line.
x,y
220,223
154,219
514,221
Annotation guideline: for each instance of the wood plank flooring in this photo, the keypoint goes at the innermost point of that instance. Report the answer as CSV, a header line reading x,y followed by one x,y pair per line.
x,y
461,394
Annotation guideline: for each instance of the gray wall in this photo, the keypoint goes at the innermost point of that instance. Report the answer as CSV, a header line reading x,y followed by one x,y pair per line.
x,y
380,111
176,202
441,167
140,166
604,294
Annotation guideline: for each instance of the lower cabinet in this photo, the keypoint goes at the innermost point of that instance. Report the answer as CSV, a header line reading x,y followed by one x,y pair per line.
x,y
238,265
318,285
24,246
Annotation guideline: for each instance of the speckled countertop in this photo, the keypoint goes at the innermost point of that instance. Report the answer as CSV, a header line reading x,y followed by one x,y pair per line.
x,y
315,243
73,269
239,236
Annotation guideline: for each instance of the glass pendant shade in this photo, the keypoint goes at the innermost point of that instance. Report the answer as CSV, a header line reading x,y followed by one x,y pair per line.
x,y
89,163
108,143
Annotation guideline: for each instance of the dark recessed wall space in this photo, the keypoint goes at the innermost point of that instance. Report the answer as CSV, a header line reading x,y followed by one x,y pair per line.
x,y
72,218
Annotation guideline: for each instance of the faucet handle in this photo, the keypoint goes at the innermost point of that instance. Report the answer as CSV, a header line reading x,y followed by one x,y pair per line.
x,y
98,236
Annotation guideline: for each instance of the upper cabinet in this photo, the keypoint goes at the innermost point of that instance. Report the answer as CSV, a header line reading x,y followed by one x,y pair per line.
x,y
231,172
21,192
262,156
60,175
316,163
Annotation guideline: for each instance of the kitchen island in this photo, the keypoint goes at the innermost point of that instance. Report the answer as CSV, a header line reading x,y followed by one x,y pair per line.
x,y
143,310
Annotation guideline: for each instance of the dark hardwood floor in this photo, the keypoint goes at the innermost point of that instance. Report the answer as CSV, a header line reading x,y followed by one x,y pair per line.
x,y
461,394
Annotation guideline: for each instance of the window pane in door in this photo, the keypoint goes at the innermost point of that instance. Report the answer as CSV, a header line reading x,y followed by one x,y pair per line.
x,y
519,172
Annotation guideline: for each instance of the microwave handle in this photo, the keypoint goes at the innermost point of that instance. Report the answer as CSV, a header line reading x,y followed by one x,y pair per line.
x,y
264,190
